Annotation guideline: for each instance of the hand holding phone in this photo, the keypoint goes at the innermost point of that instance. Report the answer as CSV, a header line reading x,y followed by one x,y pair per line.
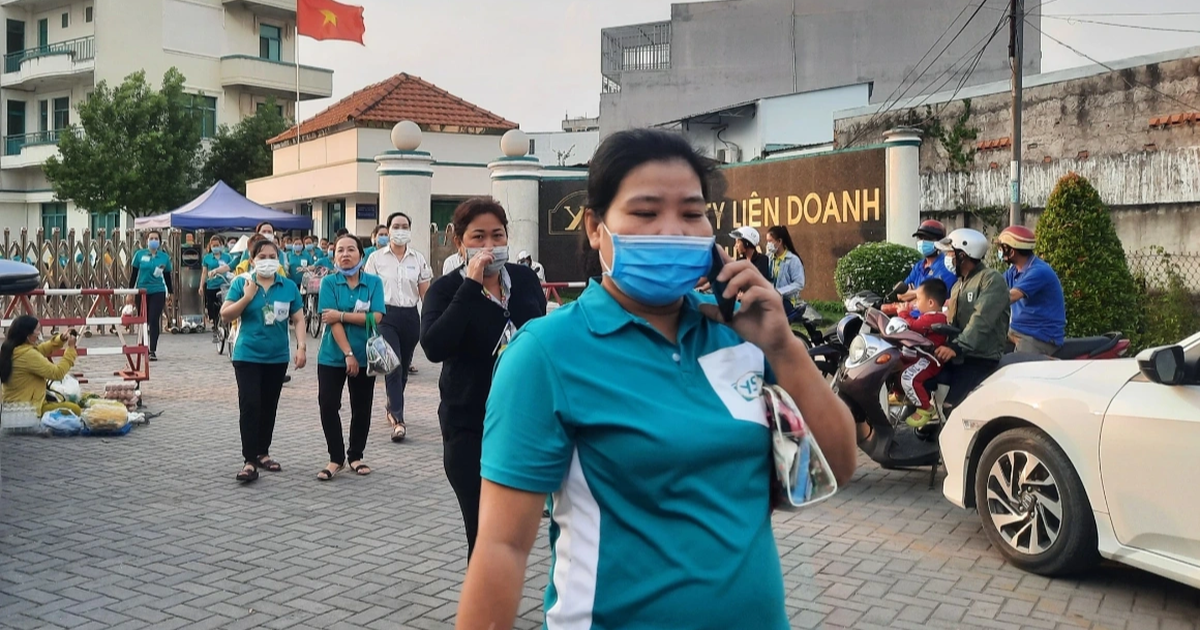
x,y
724,304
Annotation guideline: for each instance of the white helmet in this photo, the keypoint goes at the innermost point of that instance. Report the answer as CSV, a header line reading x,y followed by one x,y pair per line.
x,y
895,326
970,242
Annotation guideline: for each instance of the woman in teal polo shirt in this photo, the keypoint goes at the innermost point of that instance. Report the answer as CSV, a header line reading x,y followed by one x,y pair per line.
x,y
150,269
348,297
380,239
264,302
217,265
630,407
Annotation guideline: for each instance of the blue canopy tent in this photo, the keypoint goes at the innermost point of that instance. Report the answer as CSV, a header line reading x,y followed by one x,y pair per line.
x,y
223,208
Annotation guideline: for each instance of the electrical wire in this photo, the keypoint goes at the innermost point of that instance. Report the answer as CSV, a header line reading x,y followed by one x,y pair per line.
x,y
888,103
1130,82
1140,27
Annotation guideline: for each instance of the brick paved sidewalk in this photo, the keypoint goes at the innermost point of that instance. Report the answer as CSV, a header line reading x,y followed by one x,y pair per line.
x,y
150,530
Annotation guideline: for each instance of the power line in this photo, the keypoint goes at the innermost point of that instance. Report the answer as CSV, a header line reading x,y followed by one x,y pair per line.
x,y
1140,27
888,104
1130,82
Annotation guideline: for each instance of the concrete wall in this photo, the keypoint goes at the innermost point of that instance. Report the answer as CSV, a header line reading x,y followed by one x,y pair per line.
x,y
735,51
1066,113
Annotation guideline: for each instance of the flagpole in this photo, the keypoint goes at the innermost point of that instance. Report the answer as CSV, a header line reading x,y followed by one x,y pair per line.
x,y
296,109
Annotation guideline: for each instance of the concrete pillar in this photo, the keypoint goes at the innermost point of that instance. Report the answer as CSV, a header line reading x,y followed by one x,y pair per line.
x,y
903,184
515,179
406,183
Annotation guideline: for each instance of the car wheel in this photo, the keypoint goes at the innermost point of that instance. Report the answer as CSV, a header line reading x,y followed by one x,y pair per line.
x,y
1033,505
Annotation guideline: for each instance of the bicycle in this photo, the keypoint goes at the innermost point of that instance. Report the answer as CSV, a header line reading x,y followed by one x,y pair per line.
x,y
222,328
311,290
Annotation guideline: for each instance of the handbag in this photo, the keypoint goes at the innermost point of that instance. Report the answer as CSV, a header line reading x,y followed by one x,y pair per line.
x,y
381,359
802,476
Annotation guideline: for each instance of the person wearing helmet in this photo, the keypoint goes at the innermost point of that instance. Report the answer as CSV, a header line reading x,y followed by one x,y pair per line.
x,y
1039,312
524,258
979,307
932,266
746,240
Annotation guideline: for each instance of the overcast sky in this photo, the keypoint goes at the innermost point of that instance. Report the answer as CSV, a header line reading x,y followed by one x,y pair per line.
x,y
533,61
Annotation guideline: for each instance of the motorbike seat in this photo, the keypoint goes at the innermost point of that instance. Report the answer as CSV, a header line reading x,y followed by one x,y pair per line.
x,y
1086,347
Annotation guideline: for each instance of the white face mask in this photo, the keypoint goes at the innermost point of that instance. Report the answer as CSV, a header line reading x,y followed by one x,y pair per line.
x,y
266,267
951,262
771,249
499,258
270,236
400,237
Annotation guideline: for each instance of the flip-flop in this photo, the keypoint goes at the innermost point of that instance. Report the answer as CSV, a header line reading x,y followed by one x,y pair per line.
x,y
358,470
269,464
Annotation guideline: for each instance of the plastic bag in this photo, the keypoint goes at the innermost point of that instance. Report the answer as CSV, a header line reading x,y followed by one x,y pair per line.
x,y
106,417
19,417
62,422
68,388
801,476
381,359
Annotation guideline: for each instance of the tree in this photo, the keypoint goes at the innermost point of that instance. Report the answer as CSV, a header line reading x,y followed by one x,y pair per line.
x,y
1076,236
135,149
241,153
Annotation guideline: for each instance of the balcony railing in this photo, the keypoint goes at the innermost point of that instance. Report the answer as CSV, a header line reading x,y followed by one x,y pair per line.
x,y
79,49
14,144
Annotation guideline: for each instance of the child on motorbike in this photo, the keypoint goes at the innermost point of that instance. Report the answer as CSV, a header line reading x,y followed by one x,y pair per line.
x,y
921,366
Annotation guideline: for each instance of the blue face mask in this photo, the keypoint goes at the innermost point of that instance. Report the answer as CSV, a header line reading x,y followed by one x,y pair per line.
x,y
351,271
308,247
297,247
382,241
153,244
658,270
927,248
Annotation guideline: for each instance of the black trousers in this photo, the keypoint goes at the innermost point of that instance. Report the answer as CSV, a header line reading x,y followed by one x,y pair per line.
x,y
401,327
155,304
461,451
965,377
212,305
330,383
259,387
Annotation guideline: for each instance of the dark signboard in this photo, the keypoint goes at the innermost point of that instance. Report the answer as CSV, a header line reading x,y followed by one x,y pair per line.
x,y
830,204
366,212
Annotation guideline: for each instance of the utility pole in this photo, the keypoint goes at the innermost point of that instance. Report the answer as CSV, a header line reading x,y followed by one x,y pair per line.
x,y
1016,55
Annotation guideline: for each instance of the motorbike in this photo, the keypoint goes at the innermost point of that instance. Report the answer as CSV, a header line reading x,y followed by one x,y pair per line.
x,y
871,371
830,347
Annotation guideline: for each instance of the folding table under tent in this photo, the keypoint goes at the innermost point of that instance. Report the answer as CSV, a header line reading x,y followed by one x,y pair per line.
x,y
223,208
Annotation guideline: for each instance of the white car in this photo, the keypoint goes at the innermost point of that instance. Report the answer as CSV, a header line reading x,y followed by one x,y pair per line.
x,y
1071,461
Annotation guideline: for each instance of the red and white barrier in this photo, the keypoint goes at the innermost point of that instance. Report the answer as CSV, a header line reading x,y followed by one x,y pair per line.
x,y
135,350
553,287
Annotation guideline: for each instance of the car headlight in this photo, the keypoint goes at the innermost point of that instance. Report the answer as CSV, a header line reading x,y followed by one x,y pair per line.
x,y
858,350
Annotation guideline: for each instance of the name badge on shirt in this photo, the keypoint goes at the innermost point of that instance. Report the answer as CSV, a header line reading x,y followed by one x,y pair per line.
x,y
145,258
361,306
268,316
158,271
736,375
282,310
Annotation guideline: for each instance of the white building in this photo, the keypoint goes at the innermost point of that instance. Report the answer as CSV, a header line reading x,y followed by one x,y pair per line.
x,y
333,176
572,146
235,54
755,129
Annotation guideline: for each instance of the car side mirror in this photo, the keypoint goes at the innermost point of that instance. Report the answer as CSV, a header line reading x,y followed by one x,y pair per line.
x,y
1164,365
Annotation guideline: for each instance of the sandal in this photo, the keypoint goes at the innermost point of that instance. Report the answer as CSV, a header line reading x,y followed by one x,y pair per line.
x,y
248,473
326,473
399,431
362,470
265,461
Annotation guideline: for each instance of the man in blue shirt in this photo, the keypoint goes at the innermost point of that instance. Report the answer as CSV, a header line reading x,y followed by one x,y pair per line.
x,y
1039,313
932,266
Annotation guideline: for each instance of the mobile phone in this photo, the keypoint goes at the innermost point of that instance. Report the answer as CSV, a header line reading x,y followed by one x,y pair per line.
x,y
725,305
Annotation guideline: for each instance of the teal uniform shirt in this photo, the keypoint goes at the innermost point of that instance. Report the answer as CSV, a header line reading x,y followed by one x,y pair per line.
x,y
657,457
212,261
263,331
151,269
337,295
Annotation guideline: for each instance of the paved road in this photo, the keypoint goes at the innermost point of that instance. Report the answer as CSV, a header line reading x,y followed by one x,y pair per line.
x,y
151,531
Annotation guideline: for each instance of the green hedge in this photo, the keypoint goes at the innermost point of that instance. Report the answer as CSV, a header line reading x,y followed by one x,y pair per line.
x,y
874,267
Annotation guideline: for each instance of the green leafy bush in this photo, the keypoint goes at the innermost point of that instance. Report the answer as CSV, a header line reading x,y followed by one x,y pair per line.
x,y
1077,238
1167,306
874,267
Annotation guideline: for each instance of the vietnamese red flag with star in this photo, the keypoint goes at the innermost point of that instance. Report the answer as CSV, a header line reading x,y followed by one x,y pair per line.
x,y
326,19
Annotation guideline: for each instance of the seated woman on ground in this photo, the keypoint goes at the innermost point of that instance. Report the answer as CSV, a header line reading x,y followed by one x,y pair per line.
x,y
26,367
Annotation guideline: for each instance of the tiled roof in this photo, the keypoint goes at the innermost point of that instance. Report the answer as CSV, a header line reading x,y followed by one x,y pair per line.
x,y
402,97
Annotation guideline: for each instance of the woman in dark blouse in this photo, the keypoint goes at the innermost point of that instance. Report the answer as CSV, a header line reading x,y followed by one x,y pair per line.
x,y
469,317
